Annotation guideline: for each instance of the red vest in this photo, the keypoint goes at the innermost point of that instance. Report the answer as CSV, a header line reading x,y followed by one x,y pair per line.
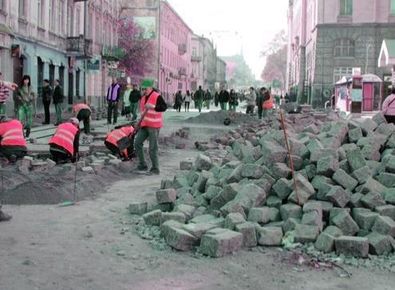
x,y
115,135
11,133
64,137
269,104
79,107
152,119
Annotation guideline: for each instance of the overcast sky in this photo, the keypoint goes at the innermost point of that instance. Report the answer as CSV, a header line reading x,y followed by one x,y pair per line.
x,y
236,25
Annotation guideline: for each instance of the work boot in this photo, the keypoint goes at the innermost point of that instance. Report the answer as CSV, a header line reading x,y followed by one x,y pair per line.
x,y
27,132
4,217
142,167
154,171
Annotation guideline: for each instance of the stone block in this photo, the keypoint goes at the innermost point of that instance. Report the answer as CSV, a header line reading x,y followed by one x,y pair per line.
x,y
273,201
370,152
228,193
313,218
306,233
326,240
251,171
379,244
344,165
322,182
274,214
180,181
290,211
290,224
390,164
372,185
355,159
166,195
260,215
386,210
249,234
280,170
365,219
372,200
220,242
233,219
272,152
211,192
88,169
384,225
297,162
386,179
152,218
138,208
345,223
352,246
269,236
283,188
180,239
319,153
198,229
362,174
341,177
176,216
368,125
336,210
203,162
338,196
355,200
389,195
166,183
379,118
202,180
355,134
187,210
186,164
235,175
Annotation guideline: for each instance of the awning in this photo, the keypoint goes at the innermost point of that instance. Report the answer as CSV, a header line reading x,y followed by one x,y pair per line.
x,y
387,53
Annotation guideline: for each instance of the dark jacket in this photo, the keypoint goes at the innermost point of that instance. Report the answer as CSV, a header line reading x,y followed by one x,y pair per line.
x,y
223,96
233,99
134,96
199,95
58,95
47,94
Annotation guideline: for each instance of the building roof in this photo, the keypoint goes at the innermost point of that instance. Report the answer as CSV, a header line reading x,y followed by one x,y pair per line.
x,y
387,53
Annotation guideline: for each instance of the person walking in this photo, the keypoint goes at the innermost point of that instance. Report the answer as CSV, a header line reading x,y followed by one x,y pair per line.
x,y
58,101
233,102
5,88
83,113
46,98
207,98
388,107
187,100
113,94
223,99
178,101
12,144
259,101
198,97
251,101
126,102
26,99
150,126
64,144
135,97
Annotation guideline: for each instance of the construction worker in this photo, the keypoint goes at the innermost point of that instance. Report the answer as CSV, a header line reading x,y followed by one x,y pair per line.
x,y
120,135
5,87
12,142
64,143
83,113
150,126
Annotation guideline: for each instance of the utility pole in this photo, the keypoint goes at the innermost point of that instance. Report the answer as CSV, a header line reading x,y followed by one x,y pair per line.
x,y
85,47
158,84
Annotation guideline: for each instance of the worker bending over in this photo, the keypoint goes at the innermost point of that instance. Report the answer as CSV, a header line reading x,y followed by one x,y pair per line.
x,y
12,142
120,142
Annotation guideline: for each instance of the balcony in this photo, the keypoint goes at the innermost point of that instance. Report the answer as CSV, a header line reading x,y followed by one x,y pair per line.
x,y
196,58
79,47
182,48
182,71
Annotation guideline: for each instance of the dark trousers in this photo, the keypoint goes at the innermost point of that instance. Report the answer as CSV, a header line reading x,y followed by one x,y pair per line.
x,y
260,110
59,155
390,119
46,112
115,150
85,116
250,109
17,151
112,111
186,104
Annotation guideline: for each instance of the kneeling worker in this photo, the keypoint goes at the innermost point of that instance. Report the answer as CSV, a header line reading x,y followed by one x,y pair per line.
x,y
12,144
83,113
120,142
65,143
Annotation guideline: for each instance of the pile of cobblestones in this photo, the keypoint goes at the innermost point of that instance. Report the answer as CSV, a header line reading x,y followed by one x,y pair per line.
x,y
340,198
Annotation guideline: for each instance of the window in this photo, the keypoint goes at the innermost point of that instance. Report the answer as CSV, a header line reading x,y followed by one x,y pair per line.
x,y
344,48
340,72
21,8
70,20
51,13
392,9
40,12
60,17
346,7
2,5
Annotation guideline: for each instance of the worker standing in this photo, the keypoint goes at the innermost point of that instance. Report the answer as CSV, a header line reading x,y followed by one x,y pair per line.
x,y
64,144
116,136
12,144
150,126
83,113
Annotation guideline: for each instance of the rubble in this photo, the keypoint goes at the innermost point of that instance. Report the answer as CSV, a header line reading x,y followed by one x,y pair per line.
x,y
340,198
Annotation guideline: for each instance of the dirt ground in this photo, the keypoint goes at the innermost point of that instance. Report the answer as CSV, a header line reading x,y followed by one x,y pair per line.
x,y
93,245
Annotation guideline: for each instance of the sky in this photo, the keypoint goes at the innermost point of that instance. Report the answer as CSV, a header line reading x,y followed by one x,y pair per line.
x,y
236,25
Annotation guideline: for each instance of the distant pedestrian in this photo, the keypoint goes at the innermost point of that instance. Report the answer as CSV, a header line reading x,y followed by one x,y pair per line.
x,y
223,99
388,107
207,98
259,101
233,102
58,98
135,97
178,101
126,101
83,113
113,94
26,99
198,97
216,99
46,96
251,101
5,87
187,100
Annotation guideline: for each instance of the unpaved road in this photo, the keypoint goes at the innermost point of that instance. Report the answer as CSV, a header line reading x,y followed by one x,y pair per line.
x,y
92,245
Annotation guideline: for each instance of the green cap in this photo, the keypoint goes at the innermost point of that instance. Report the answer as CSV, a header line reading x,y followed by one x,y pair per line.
x,y
147,83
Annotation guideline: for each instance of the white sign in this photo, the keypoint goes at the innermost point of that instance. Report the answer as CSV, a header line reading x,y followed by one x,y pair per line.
x,y
356,71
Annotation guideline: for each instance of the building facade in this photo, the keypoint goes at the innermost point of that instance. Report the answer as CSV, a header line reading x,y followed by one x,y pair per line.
x,y
57,39
328,38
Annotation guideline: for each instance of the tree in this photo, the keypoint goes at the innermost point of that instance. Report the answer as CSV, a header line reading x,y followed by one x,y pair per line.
x,y
278,41
138,52
276,67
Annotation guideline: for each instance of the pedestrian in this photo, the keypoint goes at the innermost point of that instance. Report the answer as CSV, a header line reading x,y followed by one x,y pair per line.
x,y
46,98
259,101
135,97
216,98
126,102
12,144
198,98
150,126
113,94
64,144
268,103
233,102
118,135
178,101
5,88
58,101
251,101
187,100
388,107
207,98
83,113
26,100
223,98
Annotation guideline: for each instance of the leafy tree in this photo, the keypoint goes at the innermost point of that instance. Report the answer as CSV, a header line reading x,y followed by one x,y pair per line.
x,y
276,67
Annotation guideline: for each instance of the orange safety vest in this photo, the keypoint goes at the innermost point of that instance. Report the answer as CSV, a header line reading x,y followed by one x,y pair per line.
x,y
11,133
152,118
269,104
78,107
115,135
64,137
